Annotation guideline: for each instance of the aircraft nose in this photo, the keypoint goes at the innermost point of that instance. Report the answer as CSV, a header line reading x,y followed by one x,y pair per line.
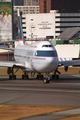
x,y
53,63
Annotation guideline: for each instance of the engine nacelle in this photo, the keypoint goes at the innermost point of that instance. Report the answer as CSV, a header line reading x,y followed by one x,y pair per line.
x,y
66,68
9,70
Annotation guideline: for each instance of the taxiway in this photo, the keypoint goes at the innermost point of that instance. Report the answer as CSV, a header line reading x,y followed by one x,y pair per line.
x,y
62,92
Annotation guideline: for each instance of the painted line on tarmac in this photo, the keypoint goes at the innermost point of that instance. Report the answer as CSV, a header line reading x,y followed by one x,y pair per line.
x,y
40,90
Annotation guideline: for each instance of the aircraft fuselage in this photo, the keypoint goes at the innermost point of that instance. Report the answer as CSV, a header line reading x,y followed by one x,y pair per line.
x,y
38,57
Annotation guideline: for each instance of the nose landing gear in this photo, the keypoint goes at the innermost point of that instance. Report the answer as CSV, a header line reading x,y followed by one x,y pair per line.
x,y
46,79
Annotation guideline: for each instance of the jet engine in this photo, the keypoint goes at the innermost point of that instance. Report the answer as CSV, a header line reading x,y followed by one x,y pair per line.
x,y
66,68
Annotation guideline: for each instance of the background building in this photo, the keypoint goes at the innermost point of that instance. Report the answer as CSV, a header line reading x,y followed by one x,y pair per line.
x,y
18,2
31,2
66,20
61,21
66,15
45,6
66,6
27,6
39,26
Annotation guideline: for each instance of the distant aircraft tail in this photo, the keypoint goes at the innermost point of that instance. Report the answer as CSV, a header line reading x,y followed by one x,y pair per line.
x,y
21,38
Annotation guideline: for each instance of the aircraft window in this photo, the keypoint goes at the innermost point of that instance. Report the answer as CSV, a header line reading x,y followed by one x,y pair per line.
x,y
50,45
47,46
47,53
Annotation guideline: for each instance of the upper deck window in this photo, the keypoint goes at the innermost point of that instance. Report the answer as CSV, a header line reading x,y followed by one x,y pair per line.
x,y
47,46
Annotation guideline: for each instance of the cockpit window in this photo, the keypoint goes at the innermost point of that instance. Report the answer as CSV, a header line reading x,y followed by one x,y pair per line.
x,y
46,53
47,46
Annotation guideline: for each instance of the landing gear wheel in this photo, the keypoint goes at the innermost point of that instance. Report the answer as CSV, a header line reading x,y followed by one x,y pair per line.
x,y
57,77
27,77
37,76
22,76
46,80
40,77
14,77
53,77
10,77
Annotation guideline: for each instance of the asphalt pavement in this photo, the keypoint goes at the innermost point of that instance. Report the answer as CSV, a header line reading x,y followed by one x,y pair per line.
x,y
62,92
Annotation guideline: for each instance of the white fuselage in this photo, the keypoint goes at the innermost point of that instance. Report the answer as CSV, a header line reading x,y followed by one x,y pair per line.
x,y
38,57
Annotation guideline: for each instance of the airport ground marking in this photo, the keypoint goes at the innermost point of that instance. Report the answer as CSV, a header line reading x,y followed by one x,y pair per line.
x,y
72,118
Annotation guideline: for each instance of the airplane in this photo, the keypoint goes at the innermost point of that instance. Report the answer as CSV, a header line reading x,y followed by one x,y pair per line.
x,y
40,57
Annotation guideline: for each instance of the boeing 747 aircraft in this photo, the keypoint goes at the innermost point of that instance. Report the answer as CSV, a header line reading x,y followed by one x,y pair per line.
x,y
40,57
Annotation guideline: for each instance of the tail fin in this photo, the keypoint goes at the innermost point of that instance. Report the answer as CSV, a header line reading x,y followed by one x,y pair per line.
x,y
21,38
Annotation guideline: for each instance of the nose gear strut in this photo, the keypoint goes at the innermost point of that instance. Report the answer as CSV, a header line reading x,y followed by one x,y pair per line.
x,y
46,79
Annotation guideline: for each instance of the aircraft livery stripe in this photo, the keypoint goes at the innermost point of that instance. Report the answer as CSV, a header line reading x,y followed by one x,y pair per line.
x,y
20,39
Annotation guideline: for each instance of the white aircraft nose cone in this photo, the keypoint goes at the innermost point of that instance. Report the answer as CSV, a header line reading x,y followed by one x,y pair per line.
x,y
52,63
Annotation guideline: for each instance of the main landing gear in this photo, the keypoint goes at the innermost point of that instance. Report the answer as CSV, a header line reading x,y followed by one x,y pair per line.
x,y
55,76
25,76
40,77
12,75
45,77
10,71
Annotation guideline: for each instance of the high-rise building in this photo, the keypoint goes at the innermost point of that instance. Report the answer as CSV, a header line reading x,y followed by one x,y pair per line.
x,y
18,2
45,6
27,6
26,2
31,2
66,6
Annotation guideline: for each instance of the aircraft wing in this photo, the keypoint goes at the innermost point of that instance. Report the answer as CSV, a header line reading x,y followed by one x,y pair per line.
x,y
9,41
7,48
11,64
69,63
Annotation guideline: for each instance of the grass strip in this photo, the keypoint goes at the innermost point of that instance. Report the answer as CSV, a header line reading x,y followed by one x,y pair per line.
x,y
15,112
71,70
